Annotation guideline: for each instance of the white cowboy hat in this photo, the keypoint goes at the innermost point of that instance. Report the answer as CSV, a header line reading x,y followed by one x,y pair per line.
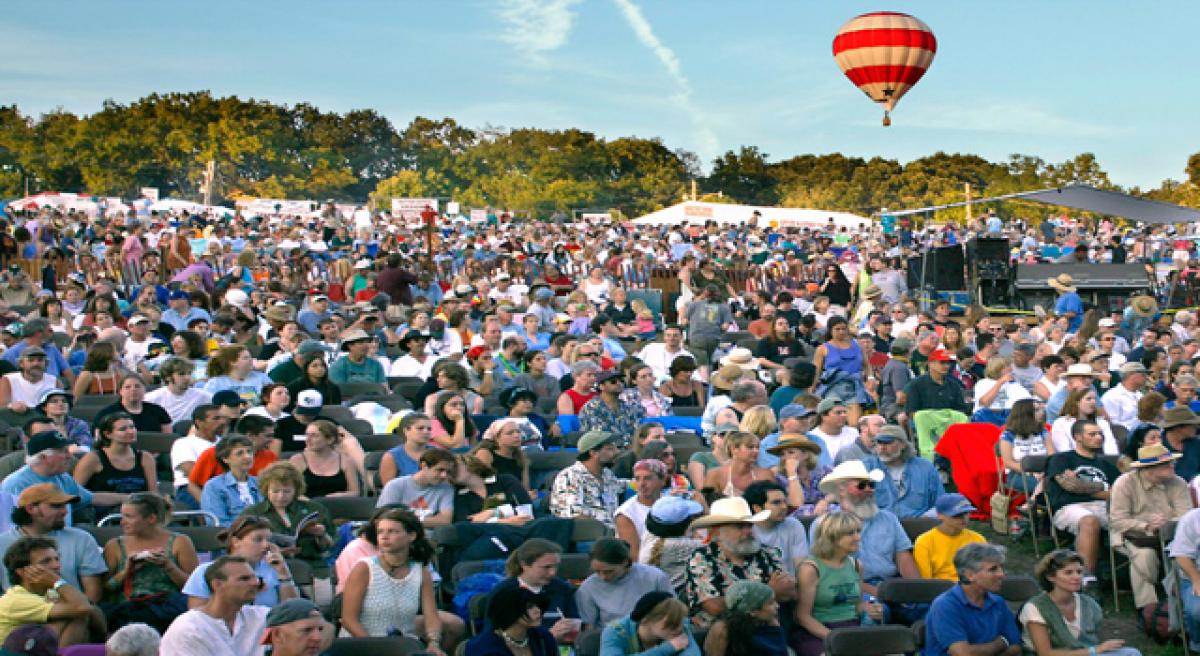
x,y
742,357
730,510
851,470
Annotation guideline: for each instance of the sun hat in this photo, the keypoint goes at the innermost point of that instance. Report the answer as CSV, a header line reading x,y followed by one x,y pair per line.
x,y
872,292
281,313
1154,454
794,441
1064,283
726,376
53,392
953,505
354,335
730,510
1079,369
1179,416
1144,306
851,470
740,357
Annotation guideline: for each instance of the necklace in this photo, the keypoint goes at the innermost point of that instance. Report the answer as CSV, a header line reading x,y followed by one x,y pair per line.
x,y
520,644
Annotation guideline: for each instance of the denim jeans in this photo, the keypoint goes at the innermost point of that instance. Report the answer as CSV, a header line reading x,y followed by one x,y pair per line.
x,y
1191,610
185,500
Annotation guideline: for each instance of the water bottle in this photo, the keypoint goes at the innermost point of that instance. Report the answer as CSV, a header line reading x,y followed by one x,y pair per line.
x,y
867,620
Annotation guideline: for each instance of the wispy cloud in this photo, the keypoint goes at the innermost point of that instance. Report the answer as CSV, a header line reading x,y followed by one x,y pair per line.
x,y
1003,116
709,145
536,27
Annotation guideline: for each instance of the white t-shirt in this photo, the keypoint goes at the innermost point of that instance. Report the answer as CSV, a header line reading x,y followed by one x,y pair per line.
x,y
1009,394
1060,436
407,365
186,449
1030,613
196,633
839,441
179,407
636,512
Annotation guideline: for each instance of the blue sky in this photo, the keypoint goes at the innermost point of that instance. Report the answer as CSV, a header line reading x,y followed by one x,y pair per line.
x,y
1046,78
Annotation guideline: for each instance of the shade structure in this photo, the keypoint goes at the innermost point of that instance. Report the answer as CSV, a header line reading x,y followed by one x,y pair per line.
x,y
1089,199
700,212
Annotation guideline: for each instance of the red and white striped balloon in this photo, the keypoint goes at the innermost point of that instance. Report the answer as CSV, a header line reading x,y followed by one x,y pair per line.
x,y
884,54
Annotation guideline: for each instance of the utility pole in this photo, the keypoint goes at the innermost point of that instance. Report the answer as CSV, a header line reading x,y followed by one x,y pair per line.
x,y
968,186
210,174
693,188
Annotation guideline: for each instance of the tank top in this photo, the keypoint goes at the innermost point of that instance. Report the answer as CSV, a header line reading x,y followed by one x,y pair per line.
x,y
506,465
121,481
29,393
849,360
322,486
391,603
103,383
579,400
838,592
149,580
688,401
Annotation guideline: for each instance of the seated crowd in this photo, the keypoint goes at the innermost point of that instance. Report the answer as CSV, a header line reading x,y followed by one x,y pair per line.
x,y
777,521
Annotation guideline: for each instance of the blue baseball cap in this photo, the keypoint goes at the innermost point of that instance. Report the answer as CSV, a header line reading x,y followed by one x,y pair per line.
x,y
673,509
179,295
953,505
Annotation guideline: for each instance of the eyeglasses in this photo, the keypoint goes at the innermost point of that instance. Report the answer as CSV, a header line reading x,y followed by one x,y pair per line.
x,y
866,485
587,355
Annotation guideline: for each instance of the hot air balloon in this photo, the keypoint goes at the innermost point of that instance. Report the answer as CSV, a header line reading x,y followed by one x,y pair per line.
x,y
884,54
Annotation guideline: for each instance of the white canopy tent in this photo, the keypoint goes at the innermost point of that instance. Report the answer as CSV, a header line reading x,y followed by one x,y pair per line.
x,y
697,212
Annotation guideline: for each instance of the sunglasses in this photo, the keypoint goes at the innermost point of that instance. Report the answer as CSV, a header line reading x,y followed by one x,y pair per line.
x,y
588,355
866,485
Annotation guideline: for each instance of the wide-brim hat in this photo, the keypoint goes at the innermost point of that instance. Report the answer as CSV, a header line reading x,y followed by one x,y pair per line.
x,y
872,292
1080,369
1063,282
740,357
730,510
794,441
282,313
410,336
1178,416
851,470
726,376
351,336
1144,306
1152,455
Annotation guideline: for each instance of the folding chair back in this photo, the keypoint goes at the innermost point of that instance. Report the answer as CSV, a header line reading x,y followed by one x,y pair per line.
x,y
870,641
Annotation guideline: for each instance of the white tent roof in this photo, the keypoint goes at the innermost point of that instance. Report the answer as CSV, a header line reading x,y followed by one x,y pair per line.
x,y
698,212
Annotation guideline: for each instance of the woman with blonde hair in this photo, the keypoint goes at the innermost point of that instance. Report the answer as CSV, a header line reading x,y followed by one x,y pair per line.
x,y
732,478
759,421
284,505
996,392
1081,404
830,583
656,625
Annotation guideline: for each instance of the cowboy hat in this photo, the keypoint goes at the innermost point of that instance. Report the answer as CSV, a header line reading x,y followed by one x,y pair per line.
x,y
1063,283
851,470
1152,455
355,335
1179,417
1144,306
726,376
740,357
730,510
794,441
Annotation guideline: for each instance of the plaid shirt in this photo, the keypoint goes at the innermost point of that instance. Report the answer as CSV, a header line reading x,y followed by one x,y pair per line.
x,y
577,493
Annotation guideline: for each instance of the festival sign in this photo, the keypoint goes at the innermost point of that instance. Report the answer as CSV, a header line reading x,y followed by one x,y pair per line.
x,y
410,209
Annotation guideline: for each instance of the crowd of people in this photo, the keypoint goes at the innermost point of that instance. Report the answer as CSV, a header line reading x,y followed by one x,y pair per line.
x,y
260,355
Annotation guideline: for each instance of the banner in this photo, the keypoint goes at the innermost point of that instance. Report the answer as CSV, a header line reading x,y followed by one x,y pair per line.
x,y
451,208
478,216
593,217
410,209
267,206
151,193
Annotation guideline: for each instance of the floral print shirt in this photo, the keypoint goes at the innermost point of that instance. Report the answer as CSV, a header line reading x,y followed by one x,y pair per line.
x,y
709,575
596,415
577,493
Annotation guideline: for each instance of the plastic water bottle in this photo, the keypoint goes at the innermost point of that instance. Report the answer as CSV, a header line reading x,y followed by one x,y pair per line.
x,y
867,620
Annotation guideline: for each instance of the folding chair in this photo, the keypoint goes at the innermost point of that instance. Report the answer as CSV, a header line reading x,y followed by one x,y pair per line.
x,y
588,643
398,646
1171,574
1017,590
587,529
544,465
352,390
302,576
379,441
912,591
575,566
870,641
915,527
1037,465
355,509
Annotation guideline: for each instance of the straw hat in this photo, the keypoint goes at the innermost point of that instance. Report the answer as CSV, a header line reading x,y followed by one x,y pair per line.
x,y
1144,306
872,292
730,510
1152,455
851,470
1064,283
740,357
794,441
727,376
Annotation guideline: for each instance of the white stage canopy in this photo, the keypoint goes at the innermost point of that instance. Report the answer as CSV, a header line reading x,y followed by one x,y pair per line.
x,y
1090,199
697,213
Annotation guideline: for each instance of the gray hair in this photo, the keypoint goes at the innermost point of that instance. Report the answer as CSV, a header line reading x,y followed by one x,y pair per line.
x,y
133,640
583,366
744,391
970,558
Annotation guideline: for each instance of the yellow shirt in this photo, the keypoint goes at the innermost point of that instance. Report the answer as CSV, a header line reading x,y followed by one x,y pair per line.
x,y
934,552
19,606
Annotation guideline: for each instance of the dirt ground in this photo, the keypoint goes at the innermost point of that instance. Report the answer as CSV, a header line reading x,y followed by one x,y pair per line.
x,y
1122,625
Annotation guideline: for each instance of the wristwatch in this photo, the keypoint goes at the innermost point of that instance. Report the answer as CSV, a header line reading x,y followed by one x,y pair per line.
x,y
60,583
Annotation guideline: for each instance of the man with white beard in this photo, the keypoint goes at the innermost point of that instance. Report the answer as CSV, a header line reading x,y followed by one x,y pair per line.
x,y
732,554
886,551
911,485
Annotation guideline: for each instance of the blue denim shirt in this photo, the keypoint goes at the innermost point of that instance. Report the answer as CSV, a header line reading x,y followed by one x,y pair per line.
x,y
922,487
221,498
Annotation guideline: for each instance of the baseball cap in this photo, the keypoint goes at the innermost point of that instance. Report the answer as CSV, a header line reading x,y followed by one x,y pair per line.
x,y
1130,368
889,433
179,295
941,355
309,346
138,318
543,293
829,403
31,640
44,493
46,440
793,410
672,509
1107,322
228,398
611,374
594,440
953,505
309,402
292,610
476,352
33,351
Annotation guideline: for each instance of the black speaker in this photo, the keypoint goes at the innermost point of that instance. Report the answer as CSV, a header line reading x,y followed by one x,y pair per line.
x,y
988,249
945,270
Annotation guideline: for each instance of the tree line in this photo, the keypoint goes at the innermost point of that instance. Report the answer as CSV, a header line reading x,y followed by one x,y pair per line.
x,y
279,151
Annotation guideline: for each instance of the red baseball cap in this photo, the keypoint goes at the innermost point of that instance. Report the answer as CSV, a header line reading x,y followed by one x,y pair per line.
x,y
476,351
941,355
